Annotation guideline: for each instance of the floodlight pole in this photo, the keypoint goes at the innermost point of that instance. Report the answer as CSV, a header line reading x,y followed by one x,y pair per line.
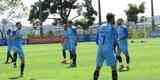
x,y
40,16
152,14
99,11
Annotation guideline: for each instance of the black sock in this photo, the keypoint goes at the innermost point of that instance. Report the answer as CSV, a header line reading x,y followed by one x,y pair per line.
x,y
71,56
74,59
15,58
22,68
114,75
119,58
96,75
10,57
7,57
64,54
127,59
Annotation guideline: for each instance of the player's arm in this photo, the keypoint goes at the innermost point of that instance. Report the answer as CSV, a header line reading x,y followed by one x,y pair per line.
x,y
115,42
97,37
76,34
62,39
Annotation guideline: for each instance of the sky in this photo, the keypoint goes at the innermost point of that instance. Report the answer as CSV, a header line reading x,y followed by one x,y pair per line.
x,y
118,6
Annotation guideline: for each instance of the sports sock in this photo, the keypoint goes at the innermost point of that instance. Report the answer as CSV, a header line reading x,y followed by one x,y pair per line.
x,y
96,75
22,69
64,54
119,58
114,75
127,59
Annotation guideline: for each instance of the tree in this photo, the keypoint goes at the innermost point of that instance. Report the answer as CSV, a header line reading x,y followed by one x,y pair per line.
x,y
41,10
11,9
9,4
88,16
133,11
61,7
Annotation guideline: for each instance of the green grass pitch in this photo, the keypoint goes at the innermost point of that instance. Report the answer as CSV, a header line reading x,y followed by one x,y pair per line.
x,y
43,63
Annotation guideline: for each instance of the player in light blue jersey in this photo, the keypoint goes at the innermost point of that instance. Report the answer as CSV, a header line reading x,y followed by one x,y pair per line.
x,y
71,42
9,46
17,46
123,44
106,41
65,45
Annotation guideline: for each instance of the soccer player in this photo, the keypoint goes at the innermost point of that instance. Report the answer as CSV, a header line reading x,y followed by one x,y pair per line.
x,y
122,31
71,34
9,44
106,40
65,44
17,47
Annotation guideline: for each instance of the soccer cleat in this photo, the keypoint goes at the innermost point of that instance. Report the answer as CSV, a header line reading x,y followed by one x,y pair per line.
x,y
14,65
6,62
127,68
69,61
73,66
121,68
21,75
64,62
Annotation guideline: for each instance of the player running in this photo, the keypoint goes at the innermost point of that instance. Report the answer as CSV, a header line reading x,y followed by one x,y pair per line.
x,y
122,31
106,39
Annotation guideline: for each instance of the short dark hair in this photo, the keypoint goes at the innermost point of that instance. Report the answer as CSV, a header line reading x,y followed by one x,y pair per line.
x,y
110,18
120,19
70,22
18,23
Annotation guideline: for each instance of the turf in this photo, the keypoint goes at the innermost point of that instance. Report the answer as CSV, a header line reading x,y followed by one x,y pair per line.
x,y
43,63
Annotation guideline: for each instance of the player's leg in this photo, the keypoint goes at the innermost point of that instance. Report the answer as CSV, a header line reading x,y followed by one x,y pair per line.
x,y
22,67
127,57
99,63
15,58
64,61
118,56
72,50
112,62
127,60
114,72
22,58
9,56
96,73
73,57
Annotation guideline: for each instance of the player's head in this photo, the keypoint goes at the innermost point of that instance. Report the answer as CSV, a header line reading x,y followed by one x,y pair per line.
x,y
18,25
70,23
120,21
65,25
8,31
110,18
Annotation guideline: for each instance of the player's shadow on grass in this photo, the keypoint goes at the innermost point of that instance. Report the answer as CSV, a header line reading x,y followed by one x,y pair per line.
x,y
14,78
18,77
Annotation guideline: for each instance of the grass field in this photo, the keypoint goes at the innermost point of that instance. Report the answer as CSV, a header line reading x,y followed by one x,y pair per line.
x,y
43,63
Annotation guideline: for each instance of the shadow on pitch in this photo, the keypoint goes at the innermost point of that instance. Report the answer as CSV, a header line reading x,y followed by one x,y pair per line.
x,y
14,78
18,77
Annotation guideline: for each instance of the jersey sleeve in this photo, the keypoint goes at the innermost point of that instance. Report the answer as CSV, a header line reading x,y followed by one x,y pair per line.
x,y
97,37
74,30
126,32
